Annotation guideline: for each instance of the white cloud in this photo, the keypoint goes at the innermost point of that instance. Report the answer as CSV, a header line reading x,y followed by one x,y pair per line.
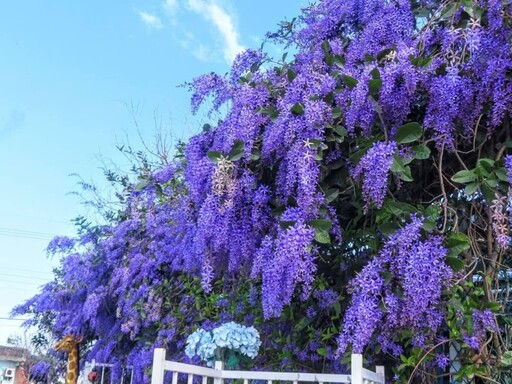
x,y
203,53
223,22
171,6
151,21
184,38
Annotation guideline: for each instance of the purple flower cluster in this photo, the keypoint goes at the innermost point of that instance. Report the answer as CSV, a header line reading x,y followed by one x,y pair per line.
x,y
244,61
399,289
483,323
508,166
375,167
500,222
284,264
207,85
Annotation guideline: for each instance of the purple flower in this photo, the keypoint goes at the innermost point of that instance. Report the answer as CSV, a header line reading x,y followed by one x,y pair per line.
x,y
375,167
508,166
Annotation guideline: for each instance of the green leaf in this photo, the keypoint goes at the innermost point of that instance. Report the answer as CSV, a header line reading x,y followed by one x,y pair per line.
x,y
398,164
421,152
277,211
336,112
331,195
491,182
401,170
320,224
339,61
368,58
321,351
487,164
140,185
322,236
322,228
214,156
450,10
501,174
471,188
388,228
429,225
286,224
329,60
255,154
349,80
206,127
342,131
455,263
433,211
398,208
506,359
493,306
326,47
375,86
457,242
464,176
232,361
488,193
408,133
422,12
270,111
297,109
237,151
375,73
382,54
291,75
421,61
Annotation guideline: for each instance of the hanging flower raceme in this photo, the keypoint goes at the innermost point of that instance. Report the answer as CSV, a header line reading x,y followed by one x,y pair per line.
x,y
375,167
399,289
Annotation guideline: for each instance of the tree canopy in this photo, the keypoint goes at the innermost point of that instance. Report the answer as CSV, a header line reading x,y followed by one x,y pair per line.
x,y
354,198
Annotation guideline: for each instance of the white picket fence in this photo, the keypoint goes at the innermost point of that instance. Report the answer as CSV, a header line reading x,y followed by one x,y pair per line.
x,y
359,374
104,371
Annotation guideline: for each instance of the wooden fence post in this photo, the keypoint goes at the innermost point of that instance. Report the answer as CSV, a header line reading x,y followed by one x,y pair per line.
x,y
356,368
379,369
157,373
219,366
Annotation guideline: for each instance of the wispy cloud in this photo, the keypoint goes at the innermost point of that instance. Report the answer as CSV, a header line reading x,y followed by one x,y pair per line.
x,y
151,21
171,6
205,53
224,24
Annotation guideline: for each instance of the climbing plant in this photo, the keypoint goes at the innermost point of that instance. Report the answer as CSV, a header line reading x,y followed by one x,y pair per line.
x,y
354,198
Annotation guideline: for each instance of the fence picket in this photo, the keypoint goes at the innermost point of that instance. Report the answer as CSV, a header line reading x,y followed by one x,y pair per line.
x,y
359,375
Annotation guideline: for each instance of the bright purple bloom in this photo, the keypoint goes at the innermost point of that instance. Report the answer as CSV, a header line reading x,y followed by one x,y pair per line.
x,y
375,167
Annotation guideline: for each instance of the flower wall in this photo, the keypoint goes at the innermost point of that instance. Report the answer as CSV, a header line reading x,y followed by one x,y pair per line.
x,y
353,198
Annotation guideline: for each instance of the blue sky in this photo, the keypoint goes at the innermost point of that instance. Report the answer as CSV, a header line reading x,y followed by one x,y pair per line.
x,y
74,77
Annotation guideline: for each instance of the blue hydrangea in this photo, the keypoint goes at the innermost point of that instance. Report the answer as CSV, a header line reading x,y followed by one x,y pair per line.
x,y
231,337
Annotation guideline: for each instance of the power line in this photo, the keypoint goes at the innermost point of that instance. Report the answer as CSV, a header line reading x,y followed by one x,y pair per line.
x,y
32,290
17,230
25,276
11,232
20,282
13,318
9,325
26,270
